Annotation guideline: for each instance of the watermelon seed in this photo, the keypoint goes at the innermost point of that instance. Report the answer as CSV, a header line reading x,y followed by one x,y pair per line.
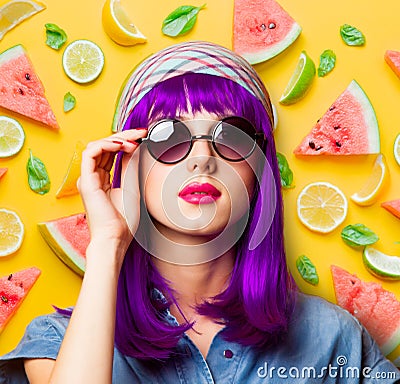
x,y
271,25
4,299
336,127
262,27
9,277
20,91
338,144
332,108
311,144
27,76
318,148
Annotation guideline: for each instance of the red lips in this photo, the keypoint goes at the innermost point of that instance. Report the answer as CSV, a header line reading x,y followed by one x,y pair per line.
x,y
199,193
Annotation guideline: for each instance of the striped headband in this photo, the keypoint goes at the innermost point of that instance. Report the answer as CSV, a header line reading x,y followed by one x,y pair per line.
x,y
189,57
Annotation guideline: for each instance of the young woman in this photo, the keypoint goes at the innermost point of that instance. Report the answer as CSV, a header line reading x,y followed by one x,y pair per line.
x,y
186,279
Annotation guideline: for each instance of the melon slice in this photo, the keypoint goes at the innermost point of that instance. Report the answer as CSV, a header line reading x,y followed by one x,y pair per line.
x,y
262,29
21,90
376,308
348,127
393,207
68,237
392,58
13,290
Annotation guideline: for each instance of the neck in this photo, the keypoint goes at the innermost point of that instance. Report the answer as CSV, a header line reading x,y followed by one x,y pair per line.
x,y
192,284
196,267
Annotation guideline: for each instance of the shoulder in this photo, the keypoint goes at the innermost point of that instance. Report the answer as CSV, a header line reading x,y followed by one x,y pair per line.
x,y
333,330
317,320
42,338
320,311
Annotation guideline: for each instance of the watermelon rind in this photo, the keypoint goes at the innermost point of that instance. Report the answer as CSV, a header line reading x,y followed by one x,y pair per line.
x,y
392,343
62,248
369,116
12,53
274,50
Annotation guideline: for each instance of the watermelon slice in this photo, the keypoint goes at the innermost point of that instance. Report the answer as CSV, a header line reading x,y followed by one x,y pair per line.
x,y
13,290
21,89
392,206
68,237
393,60
348,127
377,309
262,29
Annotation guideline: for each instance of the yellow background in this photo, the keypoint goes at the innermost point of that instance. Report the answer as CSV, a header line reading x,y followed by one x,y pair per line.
x,y
91,119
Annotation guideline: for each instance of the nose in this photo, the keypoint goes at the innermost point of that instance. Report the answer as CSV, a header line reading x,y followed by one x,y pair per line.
x,y
201,158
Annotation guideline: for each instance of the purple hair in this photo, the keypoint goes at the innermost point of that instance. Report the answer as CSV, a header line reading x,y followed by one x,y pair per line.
x,y
257,304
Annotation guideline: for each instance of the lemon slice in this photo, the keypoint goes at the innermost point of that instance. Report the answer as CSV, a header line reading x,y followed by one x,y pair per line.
x,y
15,12
12,136
381,265
68,186
321,207
396,149
375,183
11,232
83,61
300,81
118,26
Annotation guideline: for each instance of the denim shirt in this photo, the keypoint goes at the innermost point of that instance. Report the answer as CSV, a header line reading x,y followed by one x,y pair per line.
x,y
324,344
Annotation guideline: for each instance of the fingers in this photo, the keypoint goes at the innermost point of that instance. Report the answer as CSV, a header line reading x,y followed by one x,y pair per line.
x,y
100,154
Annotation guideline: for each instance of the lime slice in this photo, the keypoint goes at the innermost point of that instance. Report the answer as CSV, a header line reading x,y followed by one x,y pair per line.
x,y
12,136
83,61
11,232
300,82
396,149
321,207
381,265
118,25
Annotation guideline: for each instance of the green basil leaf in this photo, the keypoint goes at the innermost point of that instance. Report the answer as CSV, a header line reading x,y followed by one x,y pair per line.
x,y
56,37
181,20
38,177
285,171
307,270
69,102
351,35
327,62
358,235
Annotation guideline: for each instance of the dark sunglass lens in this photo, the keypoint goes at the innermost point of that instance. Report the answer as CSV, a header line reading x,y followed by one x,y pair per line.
x,y
169,141
234,138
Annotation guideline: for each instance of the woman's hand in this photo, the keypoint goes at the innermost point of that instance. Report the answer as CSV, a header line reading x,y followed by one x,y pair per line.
x,y
106,206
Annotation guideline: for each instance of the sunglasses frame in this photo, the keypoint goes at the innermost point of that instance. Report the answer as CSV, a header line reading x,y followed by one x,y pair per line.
x,y
259,139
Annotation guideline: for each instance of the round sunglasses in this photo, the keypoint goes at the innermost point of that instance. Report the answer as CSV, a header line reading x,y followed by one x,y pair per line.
x,y
233,138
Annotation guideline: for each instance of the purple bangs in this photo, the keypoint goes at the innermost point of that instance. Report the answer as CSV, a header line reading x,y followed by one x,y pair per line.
x,y
257,304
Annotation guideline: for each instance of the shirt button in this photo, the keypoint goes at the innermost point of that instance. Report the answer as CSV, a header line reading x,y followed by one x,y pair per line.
x,y
228,353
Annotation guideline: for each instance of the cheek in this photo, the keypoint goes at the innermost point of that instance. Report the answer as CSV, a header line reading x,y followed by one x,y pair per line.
x,y
240,186
151,184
